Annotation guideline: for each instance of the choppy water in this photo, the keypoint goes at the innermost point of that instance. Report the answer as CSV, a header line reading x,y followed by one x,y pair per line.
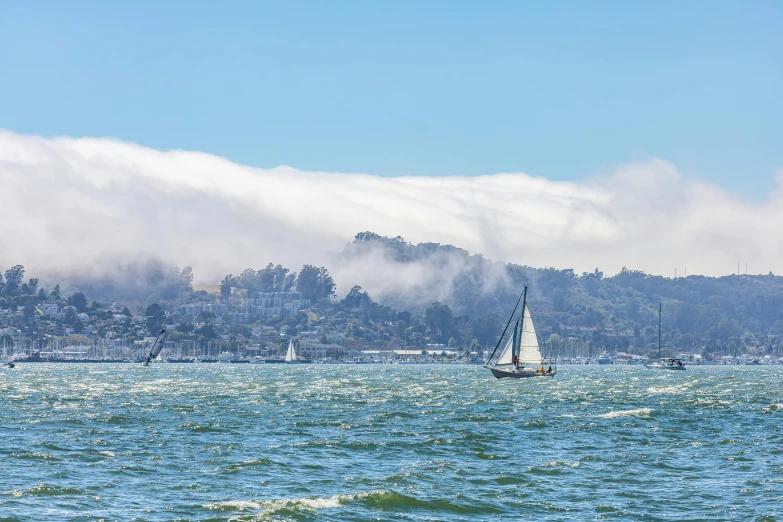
x,y
313,442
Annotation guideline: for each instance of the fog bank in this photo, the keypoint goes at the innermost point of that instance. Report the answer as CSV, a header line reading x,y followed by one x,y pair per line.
x,y
69,203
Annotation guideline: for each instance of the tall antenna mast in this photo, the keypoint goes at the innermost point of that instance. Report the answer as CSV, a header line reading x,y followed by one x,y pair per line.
x,y
660,311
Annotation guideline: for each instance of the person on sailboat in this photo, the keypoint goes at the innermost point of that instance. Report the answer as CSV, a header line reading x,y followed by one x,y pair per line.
x,y
516,360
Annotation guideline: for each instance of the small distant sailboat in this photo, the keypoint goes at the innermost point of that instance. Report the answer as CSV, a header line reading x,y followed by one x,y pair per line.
x,y
290,355
157,346
10,364
672,363
521,356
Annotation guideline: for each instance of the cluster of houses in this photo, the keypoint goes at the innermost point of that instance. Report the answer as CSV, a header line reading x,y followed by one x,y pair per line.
x,y
247,310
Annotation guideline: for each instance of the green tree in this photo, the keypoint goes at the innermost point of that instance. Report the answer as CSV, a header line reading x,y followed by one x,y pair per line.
x,y
356,299
439,319
78,301
207,317
225,286
207,331
487,329
186,279
248,280
13,280
186,328
78,326
155,318
31,286
266,279
315,283
28,314
70,316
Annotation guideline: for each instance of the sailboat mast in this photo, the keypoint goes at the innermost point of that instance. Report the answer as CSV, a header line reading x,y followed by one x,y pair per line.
x,y
515,342
505,329
660,311
518,346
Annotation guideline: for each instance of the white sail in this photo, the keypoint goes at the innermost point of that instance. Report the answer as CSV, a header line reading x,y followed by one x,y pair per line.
x,y
529,352
290,355
506,356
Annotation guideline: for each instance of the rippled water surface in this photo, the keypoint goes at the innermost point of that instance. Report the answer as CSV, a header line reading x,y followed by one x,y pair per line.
x,y
360,442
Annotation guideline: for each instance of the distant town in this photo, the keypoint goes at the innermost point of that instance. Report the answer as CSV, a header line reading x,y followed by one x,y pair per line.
x,y
252,317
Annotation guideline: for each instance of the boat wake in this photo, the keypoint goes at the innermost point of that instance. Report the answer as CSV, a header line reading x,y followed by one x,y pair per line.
x,y
639,412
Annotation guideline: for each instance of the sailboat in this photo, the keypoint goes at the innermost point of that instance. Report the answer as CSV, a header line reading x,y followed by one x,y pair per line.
x,y
157,346
290,355
671,363
521,355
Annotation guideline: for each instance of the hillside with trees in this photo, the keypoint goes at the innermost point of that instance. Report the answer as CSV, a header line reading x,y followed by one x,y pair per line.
x,y
728,315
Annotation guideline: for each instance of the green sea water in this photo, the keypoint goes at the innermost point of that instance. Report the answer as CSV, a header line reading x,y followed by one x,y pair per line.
x,y
372,442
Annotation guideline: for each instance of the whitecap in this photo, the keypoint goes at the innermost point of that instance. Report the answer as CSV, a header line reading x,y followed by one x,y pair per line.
x,y
268,506
665,389
640,412
555,463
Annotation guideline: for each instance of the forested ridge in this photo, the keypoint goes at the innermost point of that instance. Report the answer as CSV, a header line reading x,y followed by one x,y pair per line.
x,y
459,299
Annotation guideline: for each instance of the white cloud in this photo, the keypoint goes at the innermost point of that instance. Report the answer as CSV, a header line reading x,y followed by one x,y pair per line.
x,y
66,202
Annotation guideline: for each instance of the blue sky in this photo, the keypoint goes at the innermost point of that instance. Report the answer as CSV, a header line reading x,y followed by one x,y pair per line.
x,y
565,90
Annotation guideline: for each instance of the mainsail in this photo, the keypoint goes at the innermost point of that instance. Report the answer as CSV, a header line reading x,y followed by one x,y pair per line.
x,y
529,352
157,346
290,355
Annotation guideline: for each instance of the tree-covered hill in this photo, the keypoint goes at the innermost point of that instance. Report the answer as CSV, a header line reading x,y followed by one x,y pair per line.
x,y
619,310
411,295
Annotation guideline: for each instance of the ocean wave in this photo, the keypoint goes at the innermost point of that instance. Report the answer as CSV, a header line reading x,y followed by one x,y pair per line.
x,y
665,389
561,463
394,501
391,501
45,490
268,507
638,412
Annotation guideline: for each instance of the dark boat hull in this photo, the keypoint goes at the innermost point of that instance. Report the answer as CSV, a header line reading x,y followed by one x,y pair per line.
x,y
664,367
520,374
